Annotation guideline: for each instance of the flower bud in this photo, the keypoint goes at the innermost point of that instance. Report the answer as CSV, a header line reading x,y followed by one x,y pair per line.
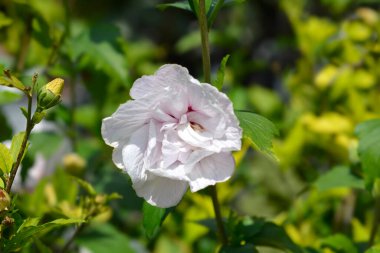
x,y
50,94
74,164
5,200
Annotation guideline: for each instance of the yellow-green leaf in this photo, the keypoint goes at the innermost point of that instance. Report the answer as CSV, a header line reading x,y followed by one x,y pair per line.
x,y
6,160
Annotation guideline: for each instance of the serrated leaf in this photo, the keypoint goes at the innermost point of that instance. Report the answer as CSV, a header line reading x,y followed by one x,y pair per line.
x,y
16,145
183,5
153,218
38,116
6,160
219,81
339,243
339,176
258,129
369,149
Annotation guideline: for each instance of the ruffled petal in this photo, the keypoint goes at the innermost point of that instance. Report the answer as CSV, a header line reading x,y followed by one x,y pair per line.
x,y
168,78
128,118
162,192
211,170
133,155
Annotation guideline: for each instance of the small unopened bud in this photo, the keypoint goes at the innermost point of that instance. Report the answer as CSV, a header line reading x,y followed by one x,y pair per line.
x,y
5,200
50,94
74,164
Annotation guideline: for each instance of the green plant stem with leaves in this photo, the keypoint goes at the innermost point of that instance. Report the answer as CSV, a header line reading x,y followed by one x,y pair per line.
x,y
29,127
202,19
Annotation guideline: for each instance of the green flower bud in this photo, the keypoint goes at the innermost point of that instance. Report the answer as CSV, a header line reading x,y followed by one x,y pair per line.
x,y
74,164
5,200
50,94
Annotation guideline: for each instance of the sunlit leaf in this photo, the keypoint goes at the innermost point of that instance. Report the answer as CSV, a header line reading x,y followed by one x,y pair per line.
x,y
258,129
219,81
6,160
339,243
369,149
16,145
339,176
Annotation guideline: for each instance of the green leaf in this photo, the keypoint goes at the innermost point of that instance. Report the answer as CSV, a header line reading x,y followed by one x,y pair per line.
x,y
272,235
339,243
153,218
183,5
41,31
257,129
339,176
16,145
30,229
374,249
7,97
218,83
4,20
104,238
38,116
262,233
6,160
11,81
369,149
24,112
194,5
214,8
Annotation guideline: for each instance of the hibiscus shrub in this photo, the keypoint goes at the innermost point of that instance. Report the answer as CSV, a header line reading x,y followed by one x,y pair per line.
x,y
190,126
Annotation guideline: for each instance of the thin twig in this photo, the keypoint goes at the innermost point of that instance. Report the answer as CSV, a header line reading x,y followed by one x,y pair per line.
x,y
71,240
202,20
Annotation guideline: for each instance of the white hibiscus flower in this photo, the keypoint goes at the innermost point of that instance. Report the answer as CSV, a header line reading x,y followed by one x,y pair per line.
x,y
175,133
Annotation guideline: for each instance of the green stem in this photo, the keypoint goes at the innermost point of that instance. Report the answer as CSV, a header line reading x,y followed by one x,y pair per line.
x,y
376,222
28,130
29,127
218,215
202,20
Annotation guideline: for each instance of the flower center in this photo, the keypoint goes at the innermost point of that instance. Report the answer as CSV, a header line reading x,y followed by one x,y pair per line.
x,y
196,127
